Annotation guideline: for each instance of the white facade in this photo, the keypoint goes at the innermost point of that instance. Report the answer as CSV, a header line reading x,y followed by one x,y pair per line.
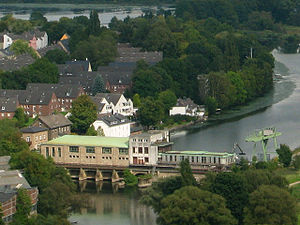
x,y
120,130
107,108
7,41
177,110
42,42
124,107
143,149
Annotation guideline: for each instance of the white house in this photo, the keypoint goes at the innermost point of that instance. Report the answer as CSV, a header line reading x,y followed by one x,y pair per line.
x,y
103,106
186,107
144,148
121,105
113,125
36,39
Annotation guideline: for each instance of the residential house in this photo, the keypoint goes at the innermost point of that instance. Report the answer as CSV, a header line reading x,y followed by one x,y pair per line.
x,y
57,125
69,69
10,182
65,93
85,63
35,136
88,150
36,39
13,63
128,54
122,105
8,106
103,107
186,106
144,148
113,125
34,102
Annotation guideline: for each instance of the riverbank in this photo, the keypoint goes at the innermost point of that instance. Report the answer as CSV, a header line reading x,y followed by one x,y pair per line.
x,y
282,89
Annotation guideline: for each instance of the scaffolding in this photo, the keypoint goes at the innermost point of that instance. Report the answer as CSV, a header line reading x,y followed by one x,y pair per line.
x,y
263,136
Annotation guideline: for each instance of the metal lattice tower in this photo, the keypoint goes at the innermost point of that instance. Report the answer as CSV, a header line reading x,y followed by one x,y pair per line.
x,y
263,136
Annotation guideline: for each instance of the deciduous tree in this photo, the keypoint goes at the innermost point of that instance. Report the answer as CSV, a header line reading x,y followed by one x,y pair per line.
x,y
284,155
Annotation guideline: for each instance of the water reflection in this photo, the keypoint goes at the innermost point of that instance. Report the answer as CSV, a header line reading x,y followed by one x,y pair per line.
x,y
107,203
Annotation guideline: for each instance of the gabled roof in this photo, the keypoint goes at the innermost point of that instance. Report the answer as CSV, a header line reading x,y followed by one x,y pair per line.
x,y
32,129
114,120
28,35
36,96
15,62
69,69
60,90
116,75
65,45
131,54
84,63
12,179
110,97
98,102
54,121
186,102
8,104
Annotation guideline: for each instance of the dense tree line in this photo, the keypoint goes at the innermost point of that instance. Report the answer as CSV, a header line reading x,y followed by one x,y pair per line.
x,y
56,189
246,196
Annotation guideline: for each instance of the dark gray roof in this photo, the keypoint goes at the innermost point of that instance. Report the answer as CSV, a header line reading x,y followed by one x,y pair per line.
x,y
69,69
65,43
28,35
56,120
36,96
116,75
33,129
83,78
12,179
29,97
97,101
110,97
60,90
131,54
186,102
84,63
8,104
43,51
15,62
6,53
114,120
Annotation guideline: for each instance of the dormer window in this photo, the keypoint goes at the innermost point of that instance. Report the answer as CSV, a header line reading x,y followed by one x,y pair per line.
x,y
3,108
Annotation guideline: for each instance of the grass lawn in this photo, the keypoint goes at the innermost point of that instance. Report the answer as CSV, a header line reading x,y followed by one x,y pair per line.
x,y
291,175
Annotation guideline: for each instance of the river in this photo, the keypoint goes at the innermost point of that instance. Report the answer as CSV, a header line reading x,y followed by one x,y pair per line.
x,y
54,12
109,205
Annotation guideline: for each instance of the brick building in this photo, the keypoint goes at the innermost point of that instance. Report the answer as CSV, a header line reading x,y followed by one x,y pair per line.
x,y
8,106
35,136
56,124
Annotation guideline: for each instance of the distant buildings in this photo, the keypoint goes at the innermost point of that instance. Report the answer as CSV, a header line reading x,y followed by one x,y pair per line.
x,y
8,106
10,182
36,39
186,106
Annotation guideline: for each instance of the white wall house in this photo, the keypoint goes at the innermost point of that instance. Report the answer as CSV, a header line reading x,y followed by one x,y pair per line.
x,y
120,105
7,41
113,125
42,42
144,148
186,107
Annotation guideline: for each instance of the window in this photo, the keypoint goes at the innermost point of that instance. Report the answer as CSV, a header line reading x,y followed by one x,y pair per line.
x,y
146,150
90,149
74,149
106,150
47,151
53,151
146,159
175,158
140,150
123,151
28,139
59,151
171,158
41,137
133,150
